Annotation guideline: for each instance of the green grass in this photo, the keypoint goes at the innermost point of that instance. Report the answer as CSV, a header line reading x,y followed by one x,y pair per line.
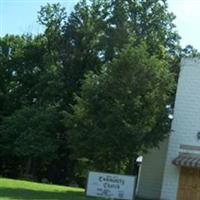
x,y
24,190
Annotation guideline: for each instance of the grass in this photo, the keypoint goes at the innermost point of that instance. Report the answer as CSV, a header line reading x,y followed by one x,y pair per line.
x,y
24,190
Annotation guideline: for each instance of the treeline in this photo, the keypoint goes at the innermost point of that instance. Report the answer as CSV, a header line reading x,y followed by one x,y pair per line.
x,y
88,93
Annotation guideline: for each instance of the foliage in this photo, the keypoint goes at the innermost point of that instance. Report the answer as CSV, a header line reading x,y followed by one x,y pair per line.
x,y
29,86
94,34
30,136
190,51
30,132
121,111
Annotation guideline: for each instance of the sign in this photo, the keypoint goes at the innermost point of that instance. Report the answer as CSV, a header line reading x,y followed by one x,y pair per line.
x,y
109,185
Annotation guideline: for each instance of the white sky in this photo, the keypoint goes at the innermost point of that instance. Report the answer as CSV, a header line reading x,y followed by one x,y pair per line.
x,y
187,21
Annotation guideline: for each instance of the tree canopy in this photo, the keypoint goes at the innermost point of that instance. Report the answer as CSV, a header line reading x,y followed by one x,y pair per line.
x,y
121,111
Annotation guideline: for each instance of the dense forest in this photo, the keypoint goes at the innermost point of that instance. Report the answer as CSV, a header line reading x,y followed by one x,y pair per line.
x,y
90,92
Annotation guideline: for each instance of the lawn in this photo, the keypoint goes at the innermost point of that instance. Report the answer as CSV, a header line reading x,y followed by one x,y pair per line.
x,y
24,190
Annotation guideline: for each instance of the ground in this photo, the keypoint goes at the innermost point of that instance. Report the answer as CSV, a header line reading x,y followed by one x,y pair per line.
x,y
24,190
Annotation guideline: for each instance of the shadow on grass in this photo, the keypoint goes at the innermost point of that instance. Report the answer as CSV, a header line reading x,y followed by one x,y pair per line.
x,y
26,194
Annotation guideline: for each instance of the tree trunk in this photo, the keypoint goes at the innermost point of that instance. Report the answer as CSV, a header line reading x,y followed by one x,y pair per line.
x,y
28,167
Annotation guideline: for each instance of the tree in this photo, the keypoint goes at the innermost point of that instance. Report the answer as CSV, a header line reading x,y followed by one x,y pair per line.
x,y
29,86
83,35
52,17
29,135
8,45
121,111
190,51
95,33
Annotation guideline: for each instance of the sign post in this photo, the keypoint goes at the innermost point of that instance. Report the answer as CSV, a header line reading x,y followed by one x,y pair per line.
x,y
109,185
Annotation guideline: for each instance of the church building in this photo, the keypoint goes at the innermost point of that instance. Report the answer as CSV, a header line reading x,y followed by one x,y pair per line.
x,y
172,172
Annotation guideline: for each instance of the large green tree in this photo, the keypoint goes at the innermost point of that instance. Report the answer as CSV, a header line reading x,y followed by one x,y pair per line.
x,y
95,33
121,111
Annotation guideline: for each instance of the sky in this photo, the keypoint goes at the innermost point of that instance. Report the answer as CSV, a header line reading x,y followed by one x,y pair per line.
x,y
20,16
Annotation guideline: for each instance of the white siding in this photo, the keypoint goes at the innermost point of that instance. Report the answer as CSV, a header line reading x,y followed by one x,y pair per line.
x,y
151,173
185,125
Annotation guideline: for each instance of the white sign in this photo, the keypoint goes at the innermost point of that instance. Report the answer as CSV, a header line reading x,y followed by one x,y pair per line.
x,y
110,186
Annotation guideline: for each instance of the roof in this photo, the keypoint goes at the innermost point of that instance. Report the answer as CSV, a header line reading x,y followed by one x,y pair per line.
x,y
187,160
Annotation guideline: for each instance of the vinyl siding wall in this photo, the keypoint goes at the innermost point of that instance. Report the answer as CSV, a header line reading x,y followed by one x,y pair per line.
x,y
151,172
185,125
